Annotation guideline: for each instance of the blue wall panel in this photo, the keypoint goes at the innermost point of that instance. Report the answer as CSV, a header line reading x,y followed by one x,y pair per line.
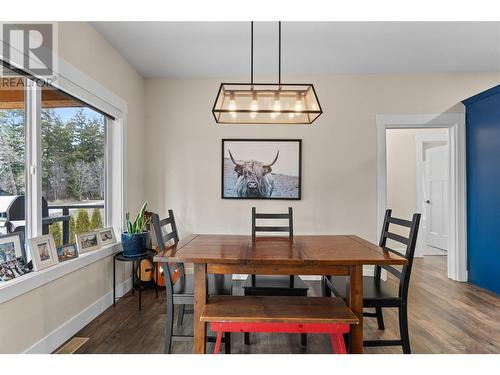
x,y
483,189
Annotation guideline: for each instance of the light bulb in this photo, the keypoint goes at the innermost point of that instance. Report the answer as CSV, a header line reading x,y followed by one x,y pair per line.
x,y
276,106
254,106
277,103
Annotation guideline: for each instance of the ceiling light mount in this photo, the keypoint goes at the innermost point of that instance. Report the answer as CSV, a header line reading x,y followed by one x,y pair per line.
x,y
266,103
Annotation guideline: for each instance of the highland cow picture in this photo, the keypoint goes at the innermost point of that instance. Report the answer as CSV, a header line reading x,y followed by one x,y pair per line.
x,y
261,168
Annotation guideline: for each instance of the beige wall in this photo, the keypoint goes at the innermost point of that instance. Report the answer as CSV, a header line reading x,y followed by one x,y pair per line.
x,y
30,317
401,171
339,150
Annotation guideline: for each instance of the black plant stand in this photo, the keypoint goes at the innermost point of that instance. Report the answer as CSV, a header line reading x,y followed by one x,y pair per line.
x,y
135,260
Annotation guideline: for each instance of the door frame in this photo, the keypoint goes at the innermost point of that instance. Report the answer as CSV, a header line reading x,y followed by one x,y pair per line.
x,y
455,122
420,139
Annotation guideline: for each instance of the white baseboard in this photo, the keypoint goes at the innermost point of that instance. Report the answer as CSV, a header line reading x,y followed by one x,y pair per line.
x,y
68,329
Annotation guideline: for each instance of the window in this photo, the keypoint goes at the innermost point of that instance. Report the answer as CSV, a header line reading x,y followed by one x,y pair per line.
x,y
73,166
12,151
64,140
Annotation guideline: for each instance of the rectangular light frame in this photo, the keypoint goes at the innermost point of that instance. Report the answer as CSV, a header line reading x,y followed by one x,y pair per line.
x,y
266,103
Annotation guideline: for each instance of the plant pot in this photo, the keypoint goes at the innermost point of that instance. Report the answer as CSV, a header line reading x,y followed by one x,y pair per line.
x,y
134,244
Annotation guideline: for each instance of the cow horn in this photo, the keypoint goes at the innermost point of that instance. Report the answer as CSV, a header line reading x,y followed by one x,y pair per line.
x,y
231,155
274,161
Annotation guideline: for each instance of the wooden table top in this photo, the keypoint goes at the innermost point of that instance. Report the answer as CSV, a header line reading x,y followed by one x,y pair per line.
x,y
326,250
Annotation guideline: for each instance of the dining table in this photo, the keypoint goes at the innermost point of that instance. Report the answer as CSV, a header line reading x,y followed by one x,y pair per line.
x,y
333,255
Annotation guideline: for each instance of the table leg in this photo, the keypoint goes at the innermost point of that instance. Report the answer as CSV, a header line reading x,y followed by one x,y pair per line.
x,y
114,282
355,301
200,300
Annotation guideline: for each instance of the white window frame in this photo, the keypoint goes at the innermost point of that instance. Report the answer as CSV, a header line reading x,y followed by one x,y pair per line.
x,y
74,82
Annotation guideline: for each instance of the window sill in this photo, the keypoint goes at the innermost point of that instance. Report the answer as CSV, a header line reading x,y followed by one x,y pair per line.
x,y
13,288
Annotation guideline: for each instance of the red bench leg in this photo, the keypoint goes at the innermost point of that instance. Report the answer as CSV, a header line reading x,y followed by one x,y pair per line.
x,y
218,342
338,345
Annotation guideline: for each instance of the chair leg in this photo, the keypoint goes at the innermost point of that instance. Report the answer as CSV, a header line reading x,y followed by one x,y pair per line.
x,y
338,345
346,338
180,317
380,318
403,329
247,338
325,290
303,340
227,342
169,325
218,340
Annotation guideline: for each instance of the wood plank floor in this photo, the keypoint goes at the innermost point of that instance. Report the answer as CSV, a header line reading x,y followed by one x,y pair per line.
x,y
445,317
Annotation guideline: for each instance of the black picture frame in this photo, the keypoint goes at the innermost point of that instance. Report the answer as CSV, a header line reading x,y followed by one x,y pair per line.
x,y
298,141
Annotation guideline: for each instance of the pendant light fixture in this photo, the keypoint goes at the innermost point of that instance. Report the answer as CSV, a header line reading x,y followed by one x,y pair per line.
x,y
266,103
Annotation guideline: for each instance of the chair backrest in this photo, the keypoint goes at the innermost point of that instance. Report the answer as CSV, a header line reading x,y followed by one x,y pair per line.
x,y
409,243
162,233
174,271
273,228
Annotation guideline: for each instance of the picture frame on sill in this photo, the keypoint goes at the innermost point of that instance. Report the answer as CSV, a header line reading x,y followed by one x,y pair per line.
x,y
261,169
67,252
107,236
88,241
12,247
43,252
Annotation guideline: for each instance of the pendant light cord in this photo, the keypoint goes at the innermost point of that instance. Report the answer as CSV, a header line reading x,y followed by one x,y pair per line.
x,y
251,53
279,53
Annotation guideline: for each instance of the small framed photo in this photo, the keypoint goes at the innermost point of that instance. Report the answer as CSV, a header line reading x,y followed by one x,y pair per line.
x,y
86,242
107,236
43,252
67,252
11,247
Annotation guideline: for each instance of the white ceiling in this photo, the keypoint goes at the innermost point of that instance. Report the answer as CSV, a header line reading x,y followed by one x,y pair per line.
x,y
207,49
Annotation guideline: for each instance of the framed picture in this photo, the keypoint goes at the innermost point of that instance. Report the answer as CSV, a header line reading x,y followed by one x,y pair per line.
x,y
12,247
67,252
107,236
87,242
261,169
43,252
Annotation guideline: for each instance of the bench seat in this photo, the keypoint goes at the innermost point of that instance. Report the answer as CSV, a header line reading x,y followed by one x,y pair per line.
x,y
290,314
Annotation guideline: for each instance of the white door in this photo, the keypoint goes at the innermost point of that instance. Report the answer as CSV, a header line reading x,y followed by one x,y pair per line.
x,y
436,196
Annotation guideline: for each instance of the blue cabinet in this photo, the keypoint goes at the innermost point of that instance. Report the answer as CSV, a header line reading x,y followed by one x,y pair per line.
x,y
483,188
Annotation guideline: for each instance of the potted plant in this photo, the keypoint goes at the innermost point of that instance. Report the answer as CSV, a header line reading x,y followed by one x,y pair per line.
x,y
135,239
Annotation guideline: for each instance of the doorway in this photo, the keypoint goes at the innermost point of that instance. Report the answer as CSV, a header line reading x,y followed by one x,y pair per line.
x,y
427,176
418,181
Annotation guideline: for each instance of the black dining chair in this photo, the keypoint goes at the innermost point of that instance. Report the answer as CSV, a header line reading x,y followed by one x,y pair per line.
x,y
379,294
179,286
274,285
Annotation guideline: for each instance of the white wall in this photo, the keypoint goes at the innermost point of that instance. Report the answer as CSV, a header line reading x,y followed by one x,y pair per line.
x,y
339,149
31,317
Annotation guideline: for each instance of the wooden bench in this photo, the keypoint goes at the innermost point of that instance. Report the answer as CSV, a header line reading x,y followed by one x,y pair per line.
x,y
282,314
